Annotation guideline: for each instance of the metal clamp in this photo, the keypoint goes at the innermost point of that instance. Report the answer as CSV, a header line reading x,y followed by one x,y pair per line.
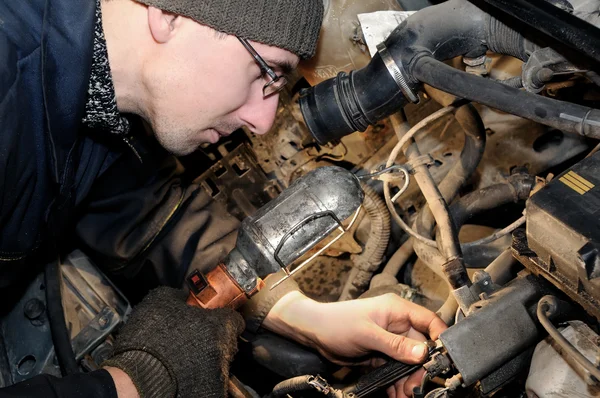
x,y
397,75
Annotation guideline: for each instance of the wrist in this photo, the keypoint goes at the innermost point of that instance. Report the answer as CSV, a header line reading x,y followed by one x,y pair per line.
x,y
149,376
294,316
123,383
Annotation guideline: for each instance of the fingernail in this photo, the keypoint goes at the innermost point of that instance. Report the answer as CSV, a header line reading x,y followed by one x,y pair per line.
x,y
419,351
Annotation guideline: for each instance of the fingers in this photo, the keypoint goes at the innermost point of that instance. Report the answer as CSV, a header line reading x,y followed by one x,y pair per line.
x,y
399,347
403,388
402,312
414,380
391,391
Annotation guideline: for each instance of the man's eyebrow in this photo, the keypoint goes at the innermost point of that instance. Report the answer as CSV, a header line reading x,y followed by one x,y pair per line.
x,y
286,67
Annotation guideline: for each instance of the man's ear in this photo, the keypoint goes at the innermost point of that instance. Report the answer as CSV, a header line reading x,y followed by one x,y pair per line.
x,y
163,25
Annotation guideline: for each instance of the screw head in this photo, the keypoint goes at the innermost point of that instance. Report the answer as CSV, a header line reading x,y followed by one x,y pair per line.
x,y
103,321
34,309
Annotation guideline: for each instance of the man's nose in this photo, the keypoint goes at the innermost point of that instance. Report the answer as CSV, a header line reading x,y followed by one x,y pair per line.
x,y
259,113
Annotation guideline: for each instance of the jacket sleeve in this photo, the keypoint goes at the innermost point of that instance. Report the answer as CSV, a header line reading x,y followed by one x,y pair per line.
x,y
144,222
97,384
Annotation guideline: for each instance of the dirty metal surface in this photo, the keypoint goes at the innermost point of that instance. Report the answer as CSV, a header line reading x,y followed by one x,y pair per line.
x,y
289,151
238,182
538,267
324,278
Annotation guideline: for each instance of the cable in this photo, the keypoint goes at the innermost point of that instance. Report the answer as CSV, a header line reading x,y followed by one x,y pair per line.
x,y
544,309
393,155
386,170
497,235
390,201
61,337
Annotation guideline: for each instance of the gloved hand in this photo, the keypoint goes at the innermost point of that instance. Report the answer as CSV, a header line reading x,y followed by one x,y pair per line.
x,y
170,349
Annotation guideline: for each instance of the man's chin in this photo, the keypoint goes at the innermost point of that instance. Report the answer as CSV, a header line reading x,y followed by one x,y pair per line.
x,y
182,145
212,136
178,148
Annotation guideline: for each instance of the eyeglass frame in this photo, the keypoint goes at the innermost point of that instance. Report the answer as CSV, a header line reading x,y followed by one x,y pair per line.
x,y
266,69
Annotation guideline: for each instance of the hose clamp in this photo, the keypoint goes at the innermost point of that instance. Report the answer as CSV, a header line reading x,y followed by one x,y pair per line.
x,y
397,75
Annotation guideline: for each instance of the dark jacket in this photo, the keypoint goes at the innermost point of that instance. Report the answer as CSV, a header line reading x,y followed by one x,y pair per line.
x,y
137,219
56,176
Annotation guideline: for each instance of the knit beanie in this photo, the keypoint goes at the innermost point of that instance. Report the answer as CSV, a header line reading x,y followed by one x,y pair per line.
x,y
289,24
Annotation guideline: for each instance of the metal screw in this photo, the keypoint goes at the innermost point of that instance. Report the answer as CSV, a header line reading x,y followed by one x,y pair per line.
x,y
474,61
102,322
34,308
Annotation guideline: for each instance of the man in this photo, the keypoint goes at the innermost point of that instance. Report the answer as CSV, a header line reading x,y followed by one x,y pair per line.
x,y
193,71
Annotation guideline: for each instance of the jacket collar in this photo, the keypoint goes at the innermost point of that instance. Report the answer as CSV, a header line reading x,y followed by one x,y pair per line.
x,y
66,48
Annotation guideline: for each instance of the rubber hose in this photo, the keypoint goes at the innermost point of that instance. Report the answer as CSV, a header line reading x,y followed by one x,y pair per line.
x,y
61,337
517,187
471,155
366,263
501,271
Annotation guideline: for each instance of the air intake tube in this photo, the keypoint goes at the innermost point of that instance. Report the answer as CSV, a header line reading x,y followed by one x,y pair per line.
x,y
345,104
411,56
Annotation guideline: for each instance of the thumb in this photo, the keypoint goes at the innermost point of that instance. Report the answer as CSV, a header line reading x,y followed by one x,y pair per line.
x,y
400,348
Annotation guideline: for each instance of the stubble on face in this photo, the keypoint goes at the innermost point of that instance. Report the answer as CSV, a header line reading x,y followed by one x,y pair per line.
x,y
181,142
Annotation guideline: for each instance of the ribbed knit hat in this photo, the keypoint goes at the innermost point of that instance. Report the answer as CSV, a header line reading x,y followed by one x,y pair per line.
x,y
289,24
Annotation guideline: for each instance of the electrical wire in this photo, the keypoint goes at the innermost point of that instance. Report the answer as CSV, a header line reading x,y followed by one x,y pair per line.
x,y
391,169
393,155
543,310
390,201
497,235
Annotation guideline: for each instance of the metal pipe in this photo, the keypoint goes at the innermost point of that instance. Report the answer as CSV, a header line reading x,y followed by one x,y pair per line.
x,y
544,310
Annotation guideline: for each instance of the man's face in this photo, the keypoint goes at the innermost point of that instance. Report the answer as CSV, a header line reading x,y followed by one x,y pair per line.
x,y
201,86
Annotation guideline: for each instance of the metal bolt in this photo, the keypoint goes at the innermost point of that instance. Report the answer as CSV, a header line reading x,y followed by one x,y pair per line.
x,y
474,61
103,321
543,75
34,308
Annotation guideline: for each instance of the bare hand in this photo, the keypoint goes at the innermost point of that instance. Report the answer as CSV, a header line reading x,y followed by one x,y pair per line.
x,y
345,332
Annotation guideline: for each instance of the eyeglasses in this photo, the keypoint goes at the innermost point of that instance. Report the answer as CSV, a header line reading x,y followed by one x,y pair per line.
x,y
277,82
